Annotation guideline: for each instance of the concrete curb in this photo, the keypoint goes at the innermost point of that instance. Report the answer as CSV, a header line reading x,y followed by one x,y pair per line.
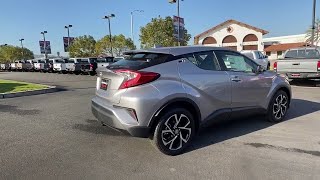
x,y
50,89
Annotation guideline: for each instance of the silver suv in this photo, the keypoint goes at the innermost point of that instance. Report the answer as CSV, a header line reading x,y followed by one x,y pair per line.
x,y
170,93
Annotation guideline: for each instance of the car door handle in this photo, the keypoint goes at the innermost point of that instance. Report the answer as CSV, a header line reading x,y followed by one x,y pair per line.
x,y
236,79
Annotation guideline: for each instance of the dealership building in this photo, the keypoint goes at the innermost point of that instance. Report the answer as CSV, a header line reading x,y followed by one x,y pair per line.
x,y
241,36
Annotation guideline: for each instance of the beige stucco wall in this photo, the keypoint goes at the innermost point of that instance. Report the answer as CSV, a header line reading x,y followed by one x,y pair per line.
x,y
239,32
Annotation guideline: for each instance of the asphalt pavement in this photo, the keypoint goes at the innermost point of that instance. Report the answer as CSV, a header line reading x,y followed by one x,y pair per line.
x,y
55,136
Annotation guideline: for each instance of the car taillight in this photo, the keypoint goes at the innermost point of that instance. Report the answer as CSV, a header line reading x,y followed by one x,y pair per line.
x,y
275,65
318,65
91,66
136,78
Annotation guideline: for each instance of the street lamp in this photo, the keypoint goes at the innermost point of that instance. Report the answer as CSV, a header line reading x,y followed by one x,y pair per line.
x,y
68,29
313,22
22,46
132,35
44,43
178,9
109,17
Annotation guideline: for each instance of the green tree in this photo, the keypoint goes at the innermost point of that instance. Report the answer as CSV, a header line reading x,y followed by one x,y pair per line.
x,y
119,44
11,53
316,33
83,46
160,32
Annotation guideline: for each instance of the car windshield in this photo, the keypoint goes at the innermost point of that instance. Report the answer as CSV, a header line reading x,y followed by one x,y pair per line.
x,y
136,61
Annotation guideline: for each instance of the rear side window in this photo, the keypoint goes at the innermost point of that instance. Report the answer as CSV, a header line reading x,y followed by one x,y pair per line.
x,y
137,61
249,55
71,61
204,60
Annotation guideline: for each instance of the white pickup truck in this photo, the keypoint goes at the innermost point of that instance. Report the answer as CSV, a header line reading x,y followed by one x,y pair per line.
x,y
41,65
73,66
59,65
102,63
300,63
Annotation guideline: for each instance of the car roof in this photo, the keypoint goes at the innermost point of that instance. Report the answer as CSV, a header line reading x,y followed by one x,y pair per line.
x,y
176,51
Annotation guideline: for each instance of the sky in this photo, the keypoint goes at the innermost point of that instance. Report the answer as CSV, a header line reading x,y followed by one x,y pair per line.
x,y
27,18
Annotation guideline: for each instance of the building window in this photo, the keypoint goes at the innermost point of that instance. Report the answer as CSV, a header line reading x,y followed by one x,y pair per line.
x,y
279,53
268,53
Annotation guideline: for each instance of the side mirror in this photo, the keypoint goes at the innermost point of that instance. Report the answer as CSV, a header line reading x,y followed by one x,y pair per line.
x,y
265,56
259,69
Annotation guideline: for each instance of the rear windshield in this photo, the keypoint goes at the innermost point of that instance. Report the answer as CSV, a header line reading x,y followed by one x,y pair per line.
x,y
137,61
60,61
101,60
303,53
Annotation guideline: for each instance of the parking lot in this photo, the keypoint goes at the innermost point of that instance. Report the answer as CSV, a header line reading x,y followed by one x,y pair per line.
x,y
56,136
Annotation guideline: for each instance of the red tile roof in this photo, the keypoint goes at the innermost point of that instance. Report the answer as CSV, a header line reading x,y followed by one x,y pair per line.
x,y
231,21
284,47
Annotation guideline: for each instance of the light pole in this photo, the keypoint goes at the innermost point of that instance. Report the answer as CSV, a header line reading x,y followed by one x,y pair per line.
x,y
110,36
178,11
313,22
44,43
68,29
22,47
132,35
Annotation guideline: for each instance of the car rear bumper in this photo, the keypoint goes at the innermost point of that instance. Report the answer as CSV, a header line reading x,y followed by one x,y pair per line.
x,y
303,75
117,118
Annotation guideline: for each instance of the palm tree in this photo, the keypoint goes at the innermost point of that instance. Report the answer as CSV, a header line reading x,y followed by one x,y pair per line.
x,y
316,33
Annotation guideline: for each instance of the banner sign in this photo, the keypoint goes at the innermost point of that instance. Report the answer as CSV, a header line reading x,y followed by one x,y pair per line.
x,y
65,43
48,47
176,21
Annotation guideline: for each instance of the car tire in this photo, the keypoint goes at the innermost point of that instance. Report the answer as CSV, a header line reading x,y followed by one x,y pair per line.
x,y
174,132
278,107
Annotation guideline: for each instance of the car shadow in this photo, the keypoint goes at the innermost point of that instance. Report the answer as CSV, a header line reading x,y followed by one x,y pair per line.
x,y
220,132
305,83
95,127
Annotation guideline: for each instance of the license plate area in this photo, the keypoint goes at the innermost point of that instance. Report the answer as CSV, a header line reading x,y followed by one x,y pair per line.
x,y
295,75
104,84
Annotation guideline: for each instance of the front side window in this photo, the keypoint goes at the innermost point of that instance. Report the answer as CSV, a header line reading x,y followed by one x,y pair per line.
x,y
236,62
204,60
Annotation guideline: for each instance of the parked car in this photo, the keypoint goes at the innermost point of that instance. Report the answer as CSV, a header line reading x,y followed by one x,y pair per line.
x,y
26,65
300,63
73,65
169,93
117,59
59,65
5,66
18,65
104,62
258,57
41,65
13,66
88,65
